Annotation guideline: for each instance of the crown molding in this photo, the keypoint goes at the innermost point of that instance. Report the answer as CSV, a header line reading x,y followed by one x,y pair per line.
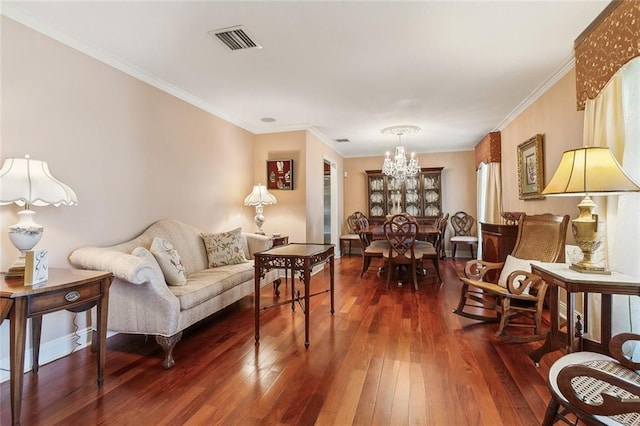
x,y
568,64
117,63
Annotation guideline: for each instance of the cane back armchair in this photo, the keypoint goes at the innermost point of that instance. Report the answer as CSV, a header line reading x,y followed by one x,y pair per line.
x,y
518,293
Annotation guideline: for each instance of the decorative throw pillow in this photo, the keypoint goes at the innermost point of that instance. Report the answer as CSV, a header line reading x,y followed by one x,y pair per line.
x,y
224,248
169,261
513,264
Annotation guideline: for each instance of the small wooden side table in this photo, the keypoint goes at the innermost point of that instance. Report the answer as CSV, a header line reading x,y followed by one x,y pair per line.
x,y
558,275
294,257
71,289
282,240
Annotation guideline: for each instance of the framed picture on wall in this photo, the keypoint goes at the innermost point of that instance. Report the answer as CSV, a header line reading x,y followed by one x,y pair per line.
x,y
280,174
531,169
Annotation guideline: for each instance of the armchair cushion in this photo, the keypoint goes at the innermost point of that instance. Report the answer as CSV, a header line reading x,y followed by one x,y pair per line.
x,y
224,248
169,261
511,265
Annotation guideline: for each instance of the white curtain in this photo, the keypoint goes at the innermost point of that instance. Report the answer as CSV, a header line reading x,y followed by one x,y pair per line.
x,y
489,192
625,243
613,120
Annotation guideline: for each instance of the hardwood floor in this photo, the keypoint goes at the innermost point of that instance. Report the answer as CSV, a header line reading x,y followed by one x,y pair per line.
x,y
387,357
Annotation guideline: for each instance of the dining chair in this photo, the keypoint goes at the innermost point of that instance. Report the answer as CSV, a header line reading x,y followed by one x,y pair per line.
x,y
518,293
462,224
371,248
401,232
351,237
433,250
597,388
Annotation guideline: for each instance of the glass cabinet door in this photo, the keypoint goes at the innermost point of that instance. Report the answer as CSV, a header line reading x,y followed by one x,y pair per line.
x,y
412,194
376,197
394,196
432,202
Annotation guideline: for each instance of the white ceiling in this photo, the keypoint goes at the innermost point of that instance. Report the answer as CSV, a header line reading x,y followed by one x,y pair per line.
x,y
457,69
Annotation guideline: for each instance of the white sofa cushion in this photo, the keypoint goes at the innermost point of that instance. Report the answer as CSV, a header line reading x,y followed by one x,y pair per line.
x,y
169,261
204,285
224,248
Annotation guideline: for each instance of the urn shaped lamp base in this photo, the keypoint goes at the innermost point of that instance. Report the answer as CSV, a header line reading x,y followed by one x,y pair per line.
x,y
24,235
585,232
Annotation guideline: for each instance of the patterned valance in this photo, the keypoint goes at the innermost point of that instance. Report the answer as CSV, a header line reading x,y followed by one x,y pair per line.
x,y
489,149
612,40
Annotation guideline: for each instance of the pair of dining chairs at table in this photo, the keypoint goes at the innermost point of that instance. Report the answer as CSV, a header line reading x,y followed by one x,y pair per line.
x,y
400,246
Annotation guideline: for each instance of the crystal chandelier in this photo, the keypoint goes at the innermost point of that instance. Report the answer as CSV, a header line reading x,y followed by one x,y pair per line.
x,y
400,168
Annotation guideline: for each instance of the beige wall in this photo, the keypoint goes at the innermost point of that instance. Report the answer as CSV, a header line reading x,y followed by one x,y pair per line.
x,y
553,115
299,213
458,181
132,153
317,153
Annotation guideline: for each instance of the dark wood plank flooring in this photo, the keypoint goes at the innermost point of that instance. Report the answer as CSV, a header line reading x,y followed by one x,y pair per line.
x,y
387,357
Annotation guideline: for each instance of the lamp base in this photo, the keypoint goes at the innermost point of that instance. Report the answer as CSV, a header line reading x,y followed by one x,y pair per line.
x,y
589,269
17,268
585,232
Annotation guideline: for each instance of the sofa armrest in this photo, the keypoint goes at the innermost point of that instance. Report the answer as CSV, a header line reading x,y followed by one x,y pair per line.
x,y
257,243
125,266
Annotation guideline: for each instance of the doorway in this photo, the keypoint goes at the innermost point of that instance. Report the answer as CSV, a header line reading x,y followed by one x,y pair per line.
x,y
330,202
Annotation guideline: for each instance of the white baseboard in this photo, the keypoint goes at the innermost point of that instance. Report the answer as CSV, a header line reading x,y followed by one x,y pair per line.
x,y
51,351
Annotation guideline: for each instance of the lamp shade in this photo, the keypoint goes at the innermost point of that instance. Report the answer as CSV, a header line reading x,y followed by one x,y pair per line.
x,y
589,170
29,182
259,197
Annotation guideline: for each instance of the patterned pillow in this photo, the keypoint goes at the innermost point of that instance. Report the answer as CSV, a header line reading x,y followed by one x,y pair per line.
x,y
224,248
169,261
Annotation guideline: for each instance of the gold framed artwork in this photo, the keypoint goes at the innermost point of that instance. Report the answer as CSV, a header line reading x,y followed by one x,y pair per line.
x,y
531,169
280,174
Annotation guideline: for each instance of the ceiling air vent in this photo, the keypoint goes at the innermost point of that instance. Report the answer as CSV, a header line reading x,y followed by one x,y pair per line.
x,y
235,38
342,140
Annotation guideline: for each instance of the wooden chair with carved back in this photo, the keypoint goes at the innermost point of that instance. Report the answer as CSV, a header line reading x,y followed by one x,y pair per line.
x,y
371,249
401,232
462,224
351,237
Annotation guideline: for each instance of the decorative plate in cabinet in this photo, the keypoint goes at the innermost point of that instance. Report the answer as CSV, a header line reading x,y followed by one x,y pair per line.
x,y
431,211
377,211
413,210
431,196
430,182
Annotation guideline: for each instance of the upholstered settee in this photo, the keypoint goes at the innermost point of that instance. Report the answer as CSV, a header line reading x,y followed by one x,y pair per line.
x,y
141,301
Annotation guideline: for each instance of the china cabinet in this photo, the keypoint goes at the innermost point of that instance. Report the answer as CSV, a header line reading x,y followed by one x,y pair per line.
x,y
420,195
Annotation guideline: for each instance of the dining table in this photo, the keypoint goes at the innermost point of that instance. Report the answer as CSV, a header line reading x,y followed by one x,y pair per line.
x,y
426,232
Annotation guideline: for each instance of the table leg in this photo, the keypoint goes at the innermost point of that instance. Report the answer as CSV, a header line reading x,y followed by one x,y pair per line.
x,y
36,332
307,279
571,321
293,287
18,331
331,283
102,315
605,321
256,301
